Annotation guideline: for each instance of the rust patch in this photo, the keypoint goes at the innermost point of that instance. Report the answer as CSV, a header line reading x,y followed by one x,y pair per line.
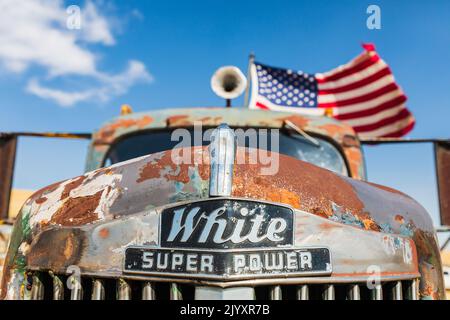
x,y
321,212
78,211
44,223
281,195
337,131
399,218
298,120
186,121
150,170
102,171
40,200
430,291
301,185
355,161
98,173
430,267
327,226
104,233
68,249
369,223
174,172
72,185
107,133
178,120
350,141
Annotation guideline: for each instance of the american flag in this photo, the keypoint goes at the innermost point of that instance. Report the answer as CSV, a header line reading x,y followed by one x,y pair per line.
x,y
362,93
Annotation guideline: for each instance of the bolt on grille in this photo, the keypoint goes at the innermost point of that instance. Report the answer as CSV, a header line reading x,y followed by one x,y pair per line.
x,y
48,286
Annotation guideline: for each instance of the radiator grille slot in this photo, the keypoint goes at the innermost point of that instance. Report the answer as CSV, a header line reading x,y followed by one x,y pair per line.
x,y
47,286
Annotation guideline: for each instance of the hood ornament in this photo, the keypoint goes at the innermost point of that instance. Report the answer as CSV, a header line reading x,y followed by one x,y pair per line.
x,y
222,152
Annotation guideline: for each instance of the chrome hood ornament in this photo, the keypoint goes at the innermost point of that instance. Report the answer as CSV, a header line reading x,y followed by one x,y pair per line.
x,y
222,152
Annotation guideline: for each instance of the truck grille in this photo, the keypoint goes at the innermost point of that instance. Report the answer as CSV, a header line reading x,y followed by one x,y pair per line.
x,y
47,286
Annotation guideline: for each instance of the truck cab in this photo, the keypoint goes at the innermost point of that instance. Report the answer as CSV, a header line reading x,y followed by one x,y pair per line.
x,y
222,203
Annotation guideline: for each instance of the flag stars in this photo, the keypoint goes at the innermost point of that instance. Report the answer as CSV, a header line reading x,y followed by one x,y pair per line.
x,y
287,87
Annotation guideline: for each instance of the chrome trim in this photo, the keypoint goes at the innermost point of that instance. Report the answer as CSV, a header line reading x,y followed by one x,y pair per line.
x,y
377,293
225,277
257,282
222,152
76,292
37,288
275,293
175,292
397,292
98,290
303,292
413,290
214,293
58,288
328,292
123,290
354,292
148,291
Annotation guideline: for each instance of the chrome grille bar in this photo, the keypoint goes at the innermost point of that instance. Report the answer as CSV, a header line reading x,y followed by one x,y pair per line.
x,y
397,293
303,292
98,290
377,292
123,290
38,282
275,293
37,289
354,292
76,292
175,292
148,291
58,288
328,293
413,290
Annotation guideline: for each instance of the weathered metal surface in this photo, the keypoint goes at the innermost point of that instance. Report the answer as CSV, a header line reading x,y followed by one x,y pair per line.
x,y
89,220
340,133
5,235
8,145
442,155
101,246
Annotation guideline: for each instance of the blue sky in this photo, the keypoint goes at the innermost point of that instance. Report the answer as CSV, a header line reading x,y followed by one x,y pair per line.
x,y
161,54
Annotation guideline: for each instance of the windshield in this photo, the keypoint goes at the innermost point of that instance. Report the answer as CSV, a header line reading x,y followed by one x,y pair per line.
x,y
323,154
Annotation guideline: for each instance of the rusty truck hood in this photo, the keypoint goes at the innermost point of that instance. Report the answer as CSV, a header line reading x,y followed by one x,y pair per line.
x,y
139,185
150,181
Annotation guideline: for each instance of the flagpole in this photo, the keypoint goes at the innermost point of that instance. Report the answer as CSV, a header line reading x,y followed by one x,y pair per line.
x,y
251,60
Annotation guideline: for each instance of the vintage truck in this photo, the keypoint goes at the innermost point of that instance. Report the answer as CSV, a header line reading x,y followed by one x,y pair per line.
x,y
221,203
221,223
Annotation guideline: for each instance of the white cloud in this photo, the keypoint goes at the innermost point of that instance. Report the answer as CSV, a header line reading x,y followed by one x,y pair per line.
x,y
95,28
110,86
35,33
63,98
